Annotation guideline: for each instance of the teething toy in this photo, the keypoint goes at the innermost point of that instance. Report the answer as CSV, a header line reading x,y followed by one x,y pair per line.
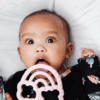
x,y
34,84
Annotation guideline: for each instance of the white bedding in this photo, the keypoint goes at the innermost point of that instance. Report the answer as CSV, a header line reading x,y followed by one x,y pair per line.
x,y
83,17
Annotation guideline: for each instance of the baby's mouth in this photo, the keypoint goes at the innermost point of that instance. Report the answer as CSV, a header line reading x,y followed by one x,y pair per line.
x,y
41,61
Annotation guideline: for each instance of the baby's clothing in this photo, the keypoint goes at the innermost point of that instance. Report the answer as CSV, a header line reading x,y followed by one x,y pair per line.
x,y
72,83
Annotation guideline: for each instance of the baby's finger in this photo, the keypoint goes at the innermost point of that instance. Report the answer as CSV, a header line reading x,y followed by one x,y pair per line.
x,y
8,97
93,79
90,54
82,48
95,54
85,54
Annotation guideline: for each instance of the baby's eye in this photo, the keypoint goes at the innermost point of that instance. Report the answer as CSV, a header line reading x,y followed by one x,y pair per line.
x,y
50,40
30,41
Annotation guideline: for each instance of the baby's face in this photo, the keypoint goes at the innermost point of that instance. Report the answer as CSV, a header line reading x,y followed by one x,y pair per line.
x,y
43,41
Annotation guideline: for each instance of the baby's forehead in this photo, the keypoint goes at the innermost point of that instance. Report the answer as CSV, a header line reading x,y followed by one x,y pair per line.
x,y
37,19
57,19
44,16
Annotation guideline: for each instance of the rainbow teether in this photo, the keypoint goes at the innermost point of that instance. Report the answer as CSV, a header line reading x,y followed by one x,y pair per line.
x,y
46,87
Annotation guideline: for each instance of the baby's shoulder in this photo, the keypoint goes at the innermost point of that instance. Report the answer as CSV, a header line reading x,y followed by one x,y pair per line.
x,y
16,76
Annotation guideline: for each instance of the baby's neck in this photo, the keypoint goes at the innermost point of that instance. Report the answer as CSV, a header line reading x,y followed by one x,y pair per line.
x,y
61,70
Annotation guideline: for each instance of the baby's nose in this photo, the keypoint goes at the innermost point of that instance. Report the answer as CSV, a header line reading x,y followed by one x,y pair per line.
x,y
40,49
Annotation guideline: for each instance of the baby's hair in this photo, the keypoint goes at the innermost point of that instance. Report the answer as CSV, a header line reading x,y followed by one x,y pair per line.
x,y
47,12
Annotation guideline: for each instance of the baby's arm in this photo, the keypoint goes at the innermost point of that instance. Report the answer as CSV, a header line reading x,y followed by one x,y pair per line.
x,y
89,53
85,53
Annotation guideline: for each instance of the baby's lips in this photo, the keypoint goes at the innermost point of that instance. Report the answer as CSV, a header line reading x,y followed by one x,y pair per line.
x,y
42,62
41,69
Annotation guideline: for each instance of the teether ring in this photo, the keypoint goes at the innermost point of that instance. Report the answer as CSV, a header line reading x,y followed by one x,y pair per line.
x,y
34,84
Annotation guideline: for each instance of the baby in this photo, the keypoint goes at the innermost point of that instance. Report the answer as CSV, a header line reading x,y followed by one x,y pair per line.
x,y
43,39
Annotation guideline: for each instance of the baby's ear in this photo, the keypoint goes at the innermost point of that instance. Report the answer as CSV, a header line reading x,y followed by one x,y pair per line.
x,y
18,49
69,50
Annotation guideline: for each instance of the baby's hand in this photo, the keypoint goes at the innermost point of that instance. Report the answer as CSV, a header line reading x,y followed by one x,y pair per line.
x,y
87,52
8,97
